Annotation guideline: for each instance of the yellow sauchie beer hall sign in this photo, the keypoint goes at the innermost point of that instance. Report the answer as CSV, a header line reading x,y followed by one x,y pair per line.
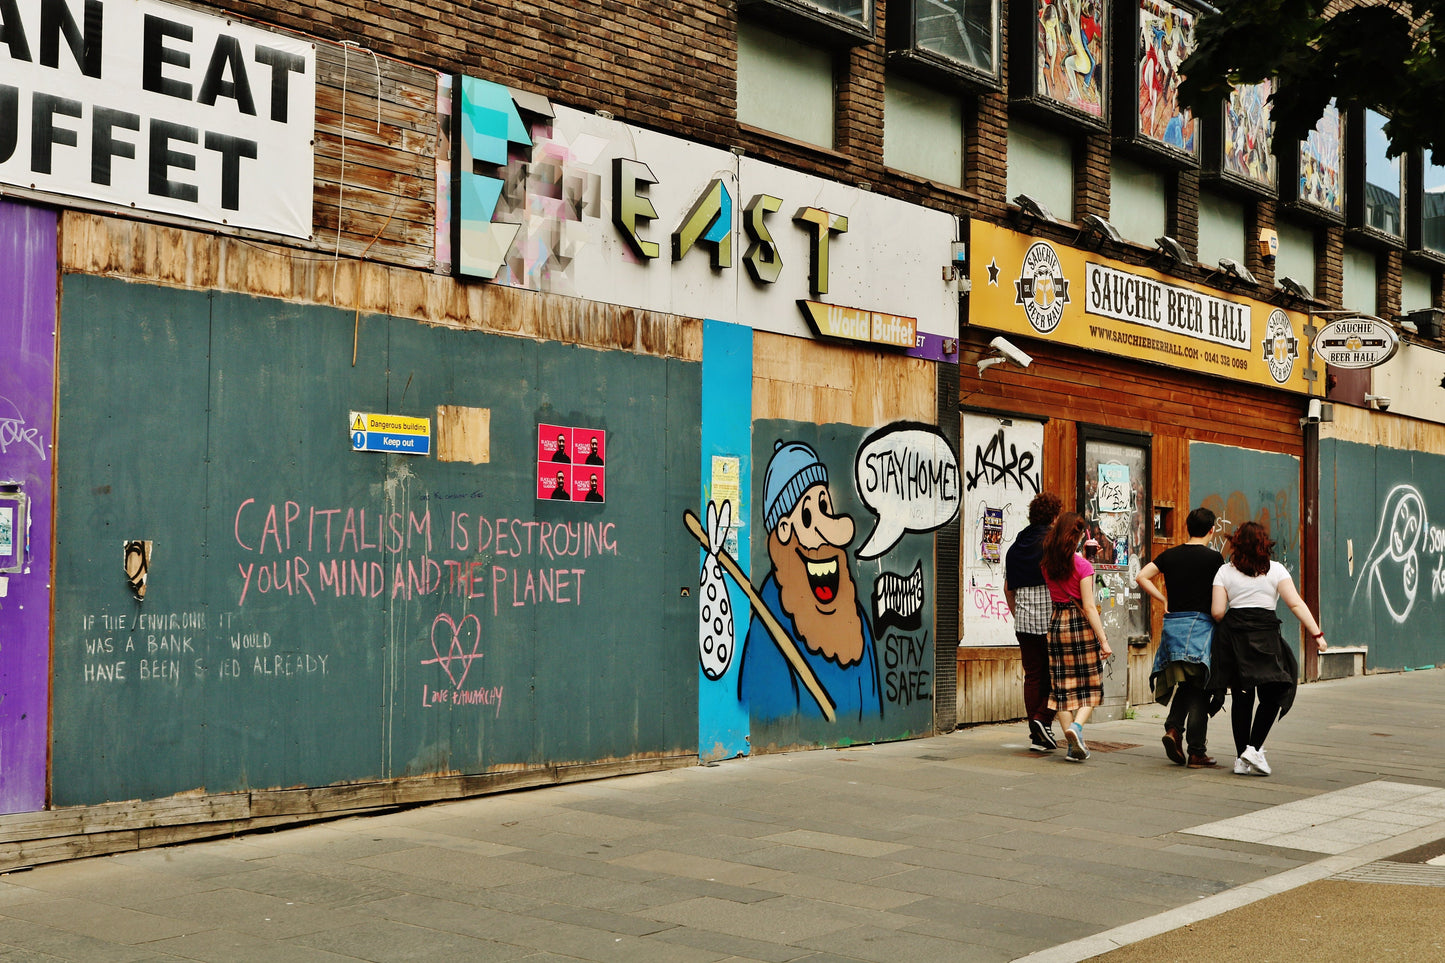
x,y
1040,289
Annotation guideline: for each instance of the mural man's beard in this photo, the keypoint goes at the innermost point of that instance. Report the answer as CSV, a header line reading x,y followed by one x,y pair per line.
x,y
819,594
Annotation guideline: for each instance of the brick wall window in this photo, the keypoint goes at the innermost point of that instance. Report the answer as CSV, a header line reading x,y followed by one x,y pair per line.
x,y
1383,179
1041,164
1221,229
962,31
785,86
1138,200
923,131
1359,280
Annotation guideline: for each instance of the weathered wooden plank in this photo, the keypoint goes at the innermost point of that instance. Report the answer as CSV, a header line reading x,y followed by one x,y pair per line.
x,y
386,169
400,83
396,119
464,434
35,838
115,247
114,817
57,849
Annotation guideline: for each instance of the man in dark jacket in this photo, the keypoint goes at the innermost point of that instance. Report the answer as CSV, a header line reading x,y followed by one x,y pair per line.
x,y
1028,602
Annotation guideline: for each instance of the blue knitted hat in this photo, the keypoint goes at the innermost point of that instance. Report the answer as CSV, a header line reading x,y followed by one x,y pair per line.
x,y
793,470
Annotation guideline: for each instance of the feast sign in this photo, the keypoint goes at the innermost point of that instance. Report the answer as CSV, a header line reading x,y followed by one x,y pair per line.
x,y
1035,288
160,108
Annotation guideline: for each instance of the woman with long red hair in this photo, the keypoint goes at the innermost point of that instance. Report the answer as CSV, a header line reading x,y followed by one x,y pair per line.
x,y
1250,655
1077,643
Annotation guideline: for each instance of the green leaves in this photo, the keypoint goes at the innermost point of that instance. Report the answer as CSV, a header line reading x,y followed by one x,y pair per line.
x,y
1366,56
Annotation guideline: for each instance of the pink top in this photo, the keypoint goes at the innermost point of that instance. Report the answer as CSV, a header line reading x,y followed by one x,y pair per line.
x,y
1068,590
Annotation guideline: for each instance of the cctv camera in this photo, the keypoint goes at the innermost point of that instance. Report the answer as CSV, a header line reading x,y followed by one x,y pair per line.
x,y
1380,401
1312,411
1011,351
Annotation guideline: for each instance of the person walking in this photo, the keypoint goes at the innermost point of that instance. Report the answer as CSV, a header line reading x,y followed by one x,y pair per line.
x,y
1029,604
1251,657
1077,642
1181,665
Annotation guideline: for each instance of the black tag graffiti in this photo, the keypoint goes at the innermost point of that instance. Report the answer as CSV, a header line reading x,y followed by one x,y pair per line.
x,y
1001,461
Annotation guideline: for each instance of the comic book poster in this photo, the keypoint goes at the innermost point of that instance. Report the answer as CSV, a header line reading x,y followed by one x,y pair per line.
x,y
1321,163
1069,54
1166,38
1248,131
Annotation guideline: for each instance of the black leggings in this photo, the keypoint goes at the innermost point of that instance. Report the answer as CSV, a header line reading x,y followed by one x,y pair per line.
x,y
1252,725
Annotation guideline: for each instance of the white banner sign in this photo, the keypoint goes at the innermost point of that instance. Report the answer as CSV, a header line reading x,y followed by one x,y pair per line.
x,y
1155,304
158,108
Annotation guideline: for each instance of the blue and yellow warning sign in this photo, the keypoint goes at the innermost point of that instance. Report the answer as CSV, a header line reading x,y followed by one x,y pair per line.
x,y
398,434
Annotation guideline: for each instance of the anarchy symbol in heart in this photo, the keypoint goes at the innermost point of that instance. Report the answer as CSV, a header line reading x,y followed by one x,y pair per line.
x,y
456,650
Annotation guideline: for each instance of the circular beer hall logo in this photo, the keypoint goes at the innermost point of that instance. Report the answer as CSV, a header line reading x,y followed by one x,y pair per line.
x,y
1041,289
1281,347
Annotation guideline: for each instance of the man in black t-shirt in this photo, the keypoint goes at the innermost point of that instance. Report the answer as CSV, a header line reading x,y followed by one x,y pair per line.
x,y
1181,666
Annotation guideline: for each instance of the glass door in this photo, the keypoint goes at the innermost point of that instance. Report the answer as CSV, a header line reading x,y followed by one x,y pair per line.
x,y
1114,496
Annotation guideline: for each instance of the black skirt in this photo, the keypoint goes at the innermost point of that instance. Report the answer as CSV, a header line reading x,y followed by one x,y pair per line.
x,y
1250,651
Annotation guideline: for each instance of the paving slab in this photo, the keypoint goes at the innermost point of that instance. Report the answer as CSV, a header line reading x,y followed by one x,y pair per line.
x,y
962,846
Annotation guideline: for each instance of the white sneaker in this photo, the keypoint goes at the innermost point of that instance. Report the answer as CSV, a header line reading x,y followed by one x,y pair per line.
x,y
1242,768
1255,757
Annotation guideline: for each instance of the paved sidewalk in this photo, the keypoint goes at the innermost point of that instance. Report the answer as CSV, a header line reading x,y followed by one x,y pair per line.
x,y
965,846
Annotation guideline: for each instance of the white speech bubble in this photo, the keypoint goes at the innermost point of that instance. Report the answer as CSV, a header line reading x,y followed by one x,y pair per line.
x,y
907,475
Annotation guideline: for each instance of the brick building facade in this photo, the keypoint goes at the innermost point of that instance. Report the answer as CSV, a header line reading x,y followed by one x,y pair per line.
x,y
753,249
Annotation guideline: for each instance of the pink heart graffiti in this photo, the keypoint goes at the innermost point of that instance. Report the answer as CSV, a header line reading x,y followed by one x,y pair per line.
x,y
455,650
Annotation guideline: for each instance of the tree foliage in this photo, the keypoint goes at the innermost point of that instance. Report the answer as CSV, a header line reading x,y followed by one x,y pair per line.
x,y
1386,55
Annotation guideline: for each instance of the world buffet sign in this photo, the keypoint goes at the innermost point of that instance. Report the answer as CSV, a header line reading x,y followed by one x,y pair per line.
x,y
1040,289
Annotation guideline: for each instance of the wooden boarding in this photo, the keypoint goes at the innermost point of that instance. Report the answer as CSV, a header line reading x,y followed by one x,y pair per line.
x,y
990,684
384,196
807,380
142,251
31,839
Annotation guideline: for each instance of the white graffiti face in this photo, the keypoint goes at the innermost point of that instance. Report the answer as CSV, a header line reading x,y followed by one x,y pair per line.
x,y
908,476
1392,569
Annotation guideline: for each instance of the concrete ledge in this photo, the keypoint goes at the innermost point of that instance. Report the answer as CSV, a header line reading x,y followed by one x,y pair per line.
x,y
1343,661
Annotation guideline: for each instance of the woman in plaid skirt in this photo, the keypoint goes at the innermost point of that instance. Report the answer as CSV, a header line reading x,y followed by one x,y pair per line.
x,y
1077,643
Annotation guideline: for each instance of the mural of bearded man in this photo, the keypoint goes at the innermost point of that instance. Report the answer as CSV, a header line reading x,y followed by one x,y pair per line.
x,y
811,592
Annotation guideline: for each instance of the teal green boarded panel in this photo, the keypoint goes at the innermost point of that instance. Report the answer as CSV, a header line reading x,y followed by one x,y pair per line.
x,y
480,518
888,694
132,464
355,615
296,672
1381,555
1243,485
580,615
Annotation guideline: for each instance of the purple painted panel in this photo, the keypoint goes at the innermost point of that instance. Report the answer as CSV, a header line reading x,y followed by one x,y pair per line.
x,y
27,419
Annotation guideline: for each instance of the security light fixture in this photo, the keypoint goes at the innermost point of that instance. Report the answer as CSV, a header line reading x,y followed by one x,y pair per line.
x,y
1100,230
1291,286
1033,209
1236,270
1172,250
